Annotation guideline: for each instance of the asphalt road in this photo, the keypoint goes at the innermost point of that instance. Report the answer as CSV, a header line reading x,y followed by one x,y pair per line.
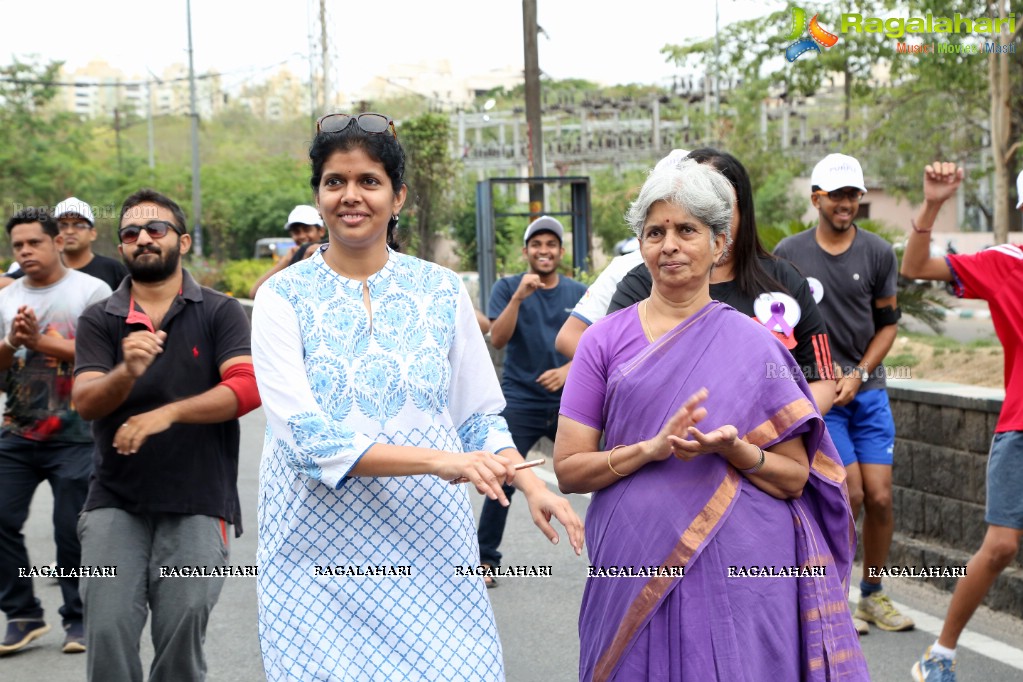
x,y
537,617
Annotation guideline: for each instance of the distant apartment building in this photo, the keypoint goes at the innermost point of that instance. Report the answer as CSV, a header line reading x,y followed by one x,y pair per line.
x,y
98,89
437,84
282,96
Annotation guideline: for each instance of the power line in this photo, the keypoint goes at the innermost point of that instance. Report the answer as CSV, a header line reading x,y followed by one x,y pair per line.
x,y
116,84
248,73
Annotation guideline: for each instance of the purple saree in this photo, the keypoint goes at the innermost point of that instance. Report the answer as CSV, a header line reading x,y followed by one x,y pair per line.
x,y
715,623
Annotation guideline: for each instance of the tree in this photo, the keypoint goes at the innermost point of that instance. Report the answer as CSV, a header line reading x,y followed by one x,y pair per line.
x,y
611,194
430,175
897,112
1004,143
39,148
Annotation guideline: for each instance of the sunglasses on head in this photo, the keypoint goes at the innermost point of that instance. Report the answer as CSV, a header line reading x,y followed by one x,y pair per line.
x,y
839,194
129,234
374,124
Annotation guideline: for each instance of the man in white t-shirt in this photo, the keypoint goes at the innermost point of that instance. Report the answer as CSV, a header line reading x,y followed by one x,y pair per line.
x,y
593,305
43,437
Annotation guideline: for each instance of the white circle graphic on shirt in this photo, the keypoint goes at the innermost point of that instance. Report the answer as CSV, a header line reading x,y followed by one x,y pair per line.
x,y
816,289
777,311
856,276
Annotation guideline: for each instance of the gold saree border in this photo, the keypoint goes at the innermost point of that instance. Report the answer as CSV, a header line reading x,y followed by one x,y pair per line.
x,y
828,468
780,422
655,589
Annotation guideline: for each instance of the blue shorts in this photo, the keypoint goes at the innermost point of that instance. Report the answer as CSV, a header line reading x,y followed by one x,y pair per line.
x,y
864,430
1005,480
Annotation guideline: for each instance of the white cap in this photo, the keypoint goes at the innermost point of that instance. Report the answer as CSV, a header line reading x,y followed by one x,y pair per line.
x,y
544,223
76,206
836,171
673,159
304,214
1019,190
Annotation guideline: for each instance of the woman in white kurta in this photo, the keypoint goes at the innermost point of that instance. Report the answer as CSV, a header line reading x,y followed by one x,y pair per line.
x,y
379,392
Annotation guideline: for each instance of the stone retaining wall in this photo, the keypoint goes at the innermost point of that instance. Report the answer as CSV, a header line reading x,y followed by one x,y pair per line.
x,y
943,432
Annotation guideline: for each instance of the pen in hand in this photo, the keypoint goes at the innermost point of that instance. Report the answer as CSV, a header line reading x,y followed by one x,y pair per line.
x,y
522,465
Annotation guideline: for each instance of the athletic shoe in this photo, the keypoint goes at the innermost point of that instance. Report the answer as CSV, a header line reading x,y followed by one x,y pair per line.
x,y
934,668
21,631
879,610
74,639
862,627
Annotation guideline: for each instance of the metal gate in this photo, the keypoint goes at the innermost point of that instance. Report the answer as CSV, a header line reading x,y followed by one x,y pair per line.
x,y
579,225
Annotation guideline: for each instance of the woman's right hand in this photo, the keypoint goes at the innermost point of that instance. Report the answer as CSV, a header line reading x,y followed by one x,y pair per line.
x,y
485,470
690,414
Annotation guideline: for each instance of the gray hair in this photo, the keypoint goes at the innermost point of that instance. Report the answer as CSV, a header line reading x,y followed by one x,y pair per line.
x,y
698,188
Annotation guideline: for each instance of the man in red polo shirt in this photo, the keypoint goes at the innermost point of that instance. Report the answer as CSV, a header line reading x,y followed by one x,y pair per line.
x,y
994,275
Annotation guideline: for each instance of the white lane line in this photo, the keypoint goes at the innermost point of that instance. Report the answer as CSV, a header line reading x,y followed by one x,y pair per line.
x,y
549,477
974,641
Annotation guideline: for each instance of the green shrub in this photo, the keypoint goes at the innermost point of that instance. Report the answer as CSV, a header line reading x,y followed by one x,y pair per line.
x,y
238,276
205,271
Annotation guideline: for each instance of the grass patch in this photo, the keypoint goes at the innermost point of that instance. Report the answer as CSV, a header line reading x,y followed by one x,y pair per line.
x,y
945,343
902,360
933,341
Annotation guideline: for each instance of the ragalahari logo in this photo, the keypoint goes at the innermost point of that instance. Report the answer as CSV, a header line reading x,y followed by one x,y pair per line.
x,y
818,36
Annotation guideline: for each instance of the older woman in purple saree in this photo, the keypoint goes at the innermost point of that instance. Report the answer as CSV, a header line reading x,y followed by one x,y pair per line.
x,y
719,530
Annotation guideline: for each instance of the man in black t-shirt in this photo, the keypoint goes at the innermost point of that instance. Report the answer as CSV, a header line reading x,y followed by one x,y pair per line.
x,y
856,273
78,227
164,369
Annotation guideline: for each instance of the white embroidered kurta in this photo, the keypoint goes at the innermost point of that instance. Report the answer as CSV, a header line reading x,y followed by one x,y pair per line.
x,y
333,385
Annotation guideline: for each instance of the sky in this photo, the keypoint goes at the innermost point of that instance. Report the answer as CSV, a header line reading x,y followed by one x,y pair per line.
x,y
612,42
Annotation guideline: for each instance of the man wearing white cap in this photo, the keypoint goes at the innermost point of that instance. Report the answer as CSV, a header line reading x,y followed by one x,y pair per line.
x,y
527,311
858,272
305,226
78,227
994,275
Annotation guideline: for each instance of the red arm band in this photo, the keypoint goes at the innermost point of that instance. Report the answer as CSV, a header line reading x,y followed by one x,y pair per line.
x,y
241,379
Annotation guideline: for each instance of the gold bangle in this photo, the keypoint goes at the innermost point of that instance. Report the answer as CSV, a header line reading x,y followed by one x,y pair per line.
x,y
609,453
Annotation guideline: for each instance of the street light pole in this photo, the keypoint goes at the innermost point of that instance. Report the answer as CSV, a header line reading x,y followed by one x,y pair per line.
x,y
534,117
196,193
149,125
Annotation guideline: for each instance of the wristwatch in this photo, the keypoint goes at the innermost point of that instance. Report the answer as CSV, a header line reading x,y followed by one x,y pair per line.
x,y
864,374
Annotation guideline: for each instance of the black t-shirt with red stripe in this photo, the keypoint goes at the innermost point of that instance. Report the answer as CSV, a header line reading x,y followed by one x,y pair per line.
x,y
189,468
812,352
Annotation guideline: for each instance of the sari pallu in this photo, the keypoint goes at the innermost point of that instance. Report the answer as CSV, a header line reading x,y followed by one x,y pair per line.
x,y
671,513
